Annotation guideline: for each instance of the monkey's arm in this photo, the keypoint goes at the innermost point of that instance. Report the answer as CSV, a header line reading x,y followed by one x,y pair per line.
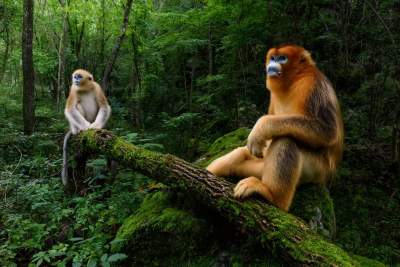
x,y
104,111
102,117
310,131
75,118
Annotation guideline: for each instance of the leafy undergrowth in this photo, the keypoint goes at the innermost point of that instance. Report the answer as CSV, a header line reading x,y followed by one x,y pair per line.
x,y
367,203
128,221
41,224
368,222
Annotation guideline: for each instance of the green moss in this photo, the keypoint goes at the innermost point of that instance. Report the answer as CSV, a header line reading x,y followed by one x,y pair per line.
x,y
286,229
159,233
224,145
365,262
313,204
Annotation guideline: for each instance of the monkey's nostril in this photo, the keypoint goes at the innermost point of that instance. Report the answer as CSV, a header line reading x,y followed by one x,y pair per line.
x,y
273,70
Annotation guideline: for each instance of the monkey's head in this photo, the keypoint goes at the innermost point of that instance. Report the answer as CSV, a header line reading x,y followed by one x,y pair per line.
x,y
284,62
81,78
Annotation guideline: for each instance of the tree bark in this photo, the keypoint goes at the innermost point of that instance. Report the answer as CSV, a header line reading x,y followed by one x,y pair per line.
x,y
102,21
61,55
76,35
396,141
136,61
210,51
27,68
117,47
135,90
6,53
271,227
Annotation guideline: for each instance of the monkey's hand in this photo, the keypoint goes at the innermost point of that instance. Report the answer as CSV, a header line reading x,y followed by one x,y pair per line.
x,y
76,130
257,140
95,125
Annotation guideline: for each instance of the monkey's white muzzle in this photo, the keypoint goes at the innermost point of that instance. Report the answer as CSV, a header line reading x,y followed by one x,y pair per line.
x,y
274,69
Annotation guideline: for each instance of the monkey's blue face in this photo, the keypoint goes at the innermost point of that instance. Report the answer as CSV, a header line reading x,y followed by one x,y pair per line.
x,y
274,67
76,79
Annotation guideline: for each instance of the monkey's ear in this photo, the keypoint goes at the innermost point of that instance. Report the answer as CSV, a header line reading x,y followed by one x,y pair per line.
x,y
306,57
90,77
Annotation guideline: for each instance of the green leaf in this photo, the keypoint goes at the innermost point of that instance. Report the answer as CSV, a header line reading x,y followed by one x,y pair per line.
x,y
117,257
104,257
92,263
75,239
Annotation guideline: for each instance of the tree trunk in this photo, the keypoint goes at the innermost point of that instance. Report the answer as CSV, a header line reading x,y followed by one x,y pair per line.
x,y
396,142
78,43
76,35
102,38
270,227
137,111
61,56
27,68
136,61
190,98
6,53
115,51
210,51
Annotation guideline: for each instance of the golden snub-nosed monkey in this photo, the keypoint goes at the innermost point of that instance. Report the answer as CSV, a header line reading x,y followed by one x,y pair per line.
x,y
300,140
87,107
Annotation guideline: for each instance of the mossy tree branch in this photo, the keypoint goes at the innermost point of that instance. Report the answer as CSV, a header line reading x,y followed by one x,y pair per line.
x,y
272,228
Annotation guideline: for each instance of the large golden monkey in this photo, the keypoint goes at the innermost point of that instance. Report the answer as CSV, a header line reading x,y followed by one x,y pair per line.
x,y
87,107
300,140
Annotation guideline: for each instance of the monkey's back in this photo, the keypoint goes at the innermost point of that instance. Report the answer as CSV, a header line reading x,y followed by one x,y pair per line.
x,y
324,106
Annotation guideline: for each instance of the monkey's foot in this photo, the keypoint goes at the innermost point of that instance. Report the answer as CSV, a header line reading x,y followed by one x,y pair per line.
x,y
248,187
95,125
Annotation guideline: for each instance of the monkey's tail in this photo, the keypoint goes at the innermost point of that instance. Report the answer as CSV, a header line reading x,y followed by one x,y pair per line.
x,y
64,172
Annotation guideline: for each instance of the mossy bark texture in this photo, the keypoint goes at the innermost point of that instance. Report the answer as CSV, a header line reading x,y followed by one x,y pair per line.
x,y
272,228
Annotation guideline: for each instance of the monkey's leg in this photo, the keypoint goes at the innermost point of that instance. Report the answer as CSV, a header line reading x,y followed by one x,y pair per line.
x,y
238,162
280,175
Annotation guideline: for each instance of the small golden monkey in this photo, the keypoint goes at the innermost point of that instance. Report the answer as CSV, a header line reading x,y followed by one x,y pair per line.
x,y
300,140
87,107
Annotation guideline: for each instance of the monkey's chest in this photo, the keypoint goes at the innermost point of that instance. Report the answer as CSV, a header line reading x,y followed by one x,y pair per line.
x,y
287,107
87,106
285,110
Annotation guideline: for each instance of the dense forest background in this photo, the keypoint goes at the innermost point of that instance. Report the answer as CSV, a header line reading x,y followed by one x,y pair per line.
x,y
179,74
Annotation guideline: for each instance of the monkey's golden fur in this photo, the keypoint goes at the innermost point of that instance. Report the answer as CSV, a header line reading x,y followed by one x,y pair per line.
x,y
300,140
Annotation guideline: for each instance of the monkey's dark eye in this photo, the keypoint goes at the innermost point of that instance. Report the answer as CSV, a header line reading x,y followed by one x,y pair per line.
x,y
282,59
78,76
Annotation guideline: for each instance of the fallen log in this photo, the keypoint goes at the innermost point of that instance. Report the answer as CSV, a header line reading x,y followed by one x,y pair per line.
x,y
271,227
